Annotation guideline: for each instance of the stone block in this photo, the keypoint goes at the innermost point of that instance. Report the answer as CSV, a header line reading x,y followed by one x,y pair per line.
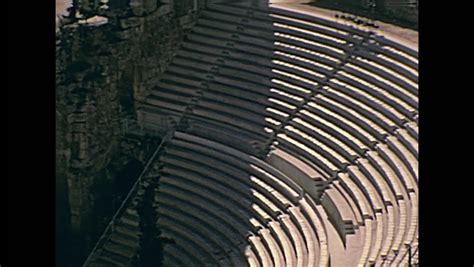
x,y
150,5
126,34
79,117
143,7
130,22
186,19
79,127
161,11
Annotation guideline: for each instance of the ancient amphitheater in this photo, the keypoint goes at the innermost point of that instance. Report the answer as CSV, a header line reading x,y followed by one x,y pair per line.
x,y
290,139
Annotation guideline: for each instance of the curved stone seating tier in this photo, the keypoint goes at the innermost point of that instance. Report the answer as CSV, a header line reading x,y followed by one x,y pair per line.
x,y
307,140
368,188
357,195
223,103
389,115
372,133
292,146
376,120
192,203
376,178
316,218
378,238
342,105
252,259
174,255
247,171
384,223
121,246
233,37
276,252
347,131
333,32
399,52
342,215
215,113
412,129
257,166
180,180
411,236
271,130
387,173
297,238
381,185
265,190
370,234
184,238
233,199
365,81
222,97
397,146
360,61
245,11
341,37
408,141
262,253
405,176
213,225
389,235
217,237
204,117
355,209
367,243
406,100
329,138
279,75
401,231
194,191
404,154
288,249
308,234
174,229
206,61
401,255
233,136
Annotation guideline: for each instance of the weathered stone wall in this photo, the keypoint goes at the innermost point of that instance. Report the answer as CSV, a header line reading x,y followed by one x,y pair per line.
x,y
103,72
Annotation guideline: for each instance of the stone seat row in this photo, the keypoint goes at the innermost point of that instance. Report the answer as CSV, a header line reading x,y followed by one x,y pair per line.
x,y
171,96
371,198
376,131
363,64
359,173
328,30
398,117
360,73
296,225
298,12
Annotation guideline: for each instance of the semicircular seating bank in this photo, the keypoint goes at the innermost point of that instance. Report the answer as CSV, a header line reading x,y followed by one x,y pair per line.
x,y
296,143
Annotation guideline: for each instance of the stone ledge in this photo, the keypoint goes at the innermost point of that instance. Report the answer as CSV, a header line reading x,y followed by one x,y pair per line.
x,y
131,22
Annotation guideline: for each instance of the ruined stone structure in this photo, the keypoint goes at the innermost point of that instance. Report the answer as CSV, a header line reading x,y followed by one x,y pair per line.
x,y
288,134
104,67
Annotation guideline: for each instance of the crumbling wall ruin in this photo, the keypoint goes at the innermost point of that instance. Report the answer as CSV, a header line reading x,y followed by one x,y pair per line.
x,y
105,65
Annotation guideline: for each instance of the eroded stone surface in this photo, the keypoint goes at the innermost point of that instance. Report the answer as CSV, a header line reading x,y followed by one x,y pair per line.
x,y
102,73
